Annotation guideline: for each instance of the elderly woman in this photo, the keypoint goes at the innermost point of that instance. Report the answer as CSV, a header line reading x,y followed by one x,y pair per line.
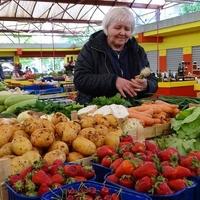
x,y
111,61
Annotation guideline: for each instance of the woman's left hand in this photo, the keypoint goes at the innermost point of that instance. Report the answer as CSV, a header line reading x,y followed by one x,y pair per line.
x,y
141,84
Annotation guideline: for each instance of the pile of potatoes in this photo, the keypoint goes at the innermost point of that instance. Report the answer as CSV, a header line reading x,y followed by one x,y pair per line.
x,y
56,138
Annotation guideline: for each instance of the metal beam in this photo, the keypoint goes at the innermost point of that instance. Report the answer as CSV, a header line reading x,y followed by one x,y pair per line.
x,y
43,20
105,3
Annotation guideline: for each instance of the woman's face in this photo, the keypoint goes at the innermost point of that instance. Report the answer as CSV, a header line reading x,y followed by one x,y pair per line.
x,y
118,33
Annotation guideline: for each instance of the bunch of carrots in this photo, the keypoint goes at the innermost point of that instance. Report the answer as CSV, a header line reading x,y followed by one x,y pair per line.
x,y
150,113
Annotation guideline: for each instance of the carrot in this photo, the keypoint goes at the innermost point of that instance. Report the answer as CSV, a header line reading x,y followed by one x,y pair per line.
x,y
157,121
141,113
165,103
161,115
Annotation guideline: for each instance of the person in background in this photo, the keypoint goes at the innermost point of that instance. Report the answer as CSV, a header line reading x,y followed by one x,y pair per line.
x,y
17,72
1,73
111,61
69,68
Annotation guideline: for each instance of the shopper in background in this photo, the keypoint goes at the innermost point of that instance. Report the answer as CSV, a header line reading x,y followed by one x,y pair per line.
x,y
111,61
17,72
1,73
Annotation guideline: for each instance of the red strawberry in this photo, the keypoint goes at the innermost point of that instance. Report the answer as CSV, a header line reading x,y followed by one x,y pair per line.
x,y
141,156
128,155
195,153
24,172
14,178
116,164
144,184
125,144
105,151
80,178
115,196
126,138
138,147
125,168
72,170
43,189
112,178
126,181
191,162
104,191
150,156
151,146
163,189
114,156
106,161
182,172
58,163
168,172
57,178
88,172
166,154
177,184
147,169
124,148
165,163
40,177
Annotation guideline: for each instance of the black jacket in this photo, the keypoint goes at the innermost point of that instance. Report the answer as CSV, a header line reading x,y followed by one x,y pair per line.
x,y
97,68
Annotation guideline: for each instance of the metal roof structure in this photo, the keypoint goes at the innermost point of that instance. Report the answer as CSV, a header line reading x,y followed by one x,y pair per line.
x,y
71,18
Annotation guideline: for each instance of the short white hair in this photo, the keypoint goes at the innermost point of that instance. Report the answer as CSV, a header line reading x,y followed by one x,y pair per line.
x,y
118,14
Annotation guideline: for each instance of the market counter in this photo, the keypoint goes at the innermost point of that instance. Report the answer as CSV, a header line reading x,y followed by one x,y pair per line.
x,y
177,88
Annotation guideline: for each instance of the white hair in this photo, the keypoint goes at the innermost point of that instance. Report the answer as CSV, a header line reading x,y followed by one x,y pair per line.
x,y
118,14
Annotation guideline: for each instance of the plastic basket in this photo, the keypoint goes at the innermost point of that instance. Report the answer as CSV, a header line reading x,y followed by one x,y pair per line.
x,y
197,189
124,194
100,172
12,195
47,91
185,194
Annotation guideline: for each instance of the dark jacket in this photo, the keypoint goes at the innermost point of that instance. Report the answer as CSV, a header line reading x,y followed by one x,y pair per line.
x,y
97,68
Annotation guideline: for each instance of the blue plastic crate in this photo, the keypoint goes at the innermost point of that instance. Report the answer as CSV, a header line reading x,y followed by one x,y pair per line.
x,y
197,189
100,172
124,194
47,91
12,195
185,194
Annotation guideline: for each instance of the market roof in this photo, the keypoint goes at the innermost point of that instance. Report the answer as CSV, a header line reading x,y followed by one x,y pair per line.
x,y
70,17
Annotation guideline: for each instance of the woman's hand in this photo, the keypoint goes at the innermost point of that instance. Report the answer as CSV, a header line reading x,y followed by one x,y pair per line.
x,y
126,87
140,84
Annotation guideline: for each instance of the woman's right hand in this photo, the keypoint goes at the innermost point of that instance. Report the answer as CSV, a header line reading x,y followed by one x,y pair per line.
x,y
125,86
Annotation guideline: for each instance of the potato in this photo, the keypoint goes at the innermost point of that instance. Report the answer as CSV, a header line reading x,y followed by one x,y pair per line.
x,y
18,163
87,122
73,156
59,117
6,149
60,146
84,146
101,129
31,125
21,145
100,119
42,137
47,124
59,128
6,132
51,156
75,125
112,140
32,156
112,120
69,135
116,131
18,126
20,133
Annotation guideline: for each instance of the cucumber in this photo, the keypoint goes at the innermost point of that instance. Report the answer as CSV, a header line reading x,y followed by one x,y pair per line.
x,y
21,104
16,98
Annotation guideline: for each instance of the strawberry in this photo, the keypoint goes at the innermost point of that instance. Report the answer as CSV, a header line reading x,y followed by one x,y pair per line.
x,y
43,189
24,172
105,151
72,170
126,181
57,178
163,189
29,185
112,178
151,146
138,147
165,163
115,196
166,154
168,172
182,172
191,162
124,148
114,156
147,169
195,153
40,177
80,178
107,197
141,156
150,155
19,186
177,184
14,178
144,184
116,164
88,172
58,163
104,191
126,138
125,168
128,155
106,161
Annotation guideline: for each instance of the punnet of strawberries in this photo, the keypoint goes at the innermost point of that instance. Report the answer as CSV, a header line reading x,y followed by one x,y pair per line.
x,y
143,167
41,178
88,193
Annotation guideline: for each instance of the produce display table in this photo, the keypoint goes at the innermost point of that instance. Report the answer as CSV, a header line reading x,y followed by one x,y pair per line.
x,y
179,88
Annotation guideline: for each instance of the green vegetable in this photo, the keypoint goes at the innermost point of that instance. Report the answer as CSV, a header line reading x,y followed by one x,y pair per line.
x,y
15,98
2,108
